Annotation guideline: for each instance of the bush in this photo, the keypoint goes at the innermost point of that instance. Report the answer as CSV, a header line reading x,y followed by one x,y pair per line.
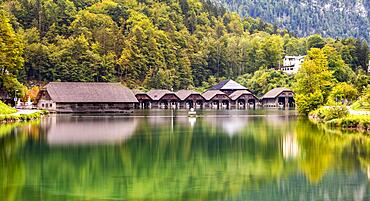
x,y
325,114
358,122
21,117
5,109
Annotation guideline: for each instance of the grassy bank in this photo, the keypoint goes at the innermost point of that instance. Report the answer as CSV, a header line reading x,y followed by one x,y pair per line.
x,y
15,117
360,123
5,109
9,114
339,117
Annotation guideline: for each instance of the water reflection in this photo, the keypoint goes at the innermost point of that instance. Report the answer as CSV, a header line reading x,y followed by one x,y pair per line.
x,y
173,157
290,147
88,130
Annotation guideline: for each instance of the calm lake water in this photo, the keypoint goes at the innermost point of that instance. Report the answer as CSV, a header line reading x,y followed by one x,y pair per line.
x,y
155,156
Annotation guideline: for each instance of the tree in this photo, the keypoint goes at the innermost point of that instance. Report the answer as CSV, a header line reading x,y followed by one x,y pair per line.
x,y
264,80
342,93
341,71
313,81
11,48
315,41
11,60
75,59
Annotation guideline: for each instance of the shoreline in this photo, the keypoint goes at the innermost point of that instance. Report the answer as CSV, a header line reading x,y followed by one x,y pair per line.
x,y
22,116
358,123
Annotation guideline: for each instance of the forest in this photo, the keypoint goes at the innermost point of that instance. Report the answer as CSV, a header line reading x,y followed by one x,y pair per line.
x,y
180,44
331,18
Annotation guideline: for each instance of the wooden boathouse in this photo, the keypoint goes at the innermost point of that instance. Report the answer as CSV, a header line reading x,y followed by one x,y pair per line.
x,y
278,97
243,99
190,99
216,99
79,97
164,99
113,97
145,101
228,87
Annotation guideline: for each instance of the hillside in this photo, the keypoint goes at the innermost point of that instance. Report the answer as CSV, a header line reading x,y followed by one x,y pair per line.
x,y
334,18
148,44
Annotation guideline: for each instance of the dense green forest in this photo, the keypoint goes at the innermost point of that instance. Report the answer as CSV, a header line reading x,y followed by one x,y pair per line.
x,y
155,44
332,18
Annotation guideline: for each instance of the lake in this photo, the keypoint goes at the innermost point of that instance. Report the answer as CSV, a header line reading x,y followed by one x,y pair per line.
x,y
165,155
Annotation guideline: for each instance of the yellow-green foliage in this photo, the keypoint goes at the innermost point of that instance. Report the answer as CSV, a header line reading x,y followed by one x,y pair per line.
x,y
324,114
342,93
313,81
5,109
356,122
22,117
364,102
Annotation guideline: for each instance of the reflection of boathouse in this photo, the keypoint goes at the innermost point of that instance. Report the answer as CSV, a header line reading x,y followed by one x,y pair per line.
x,y
68,130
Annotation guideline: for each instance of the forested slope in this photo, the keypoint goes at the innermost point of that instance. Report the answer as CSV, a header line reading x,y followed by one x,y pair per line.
x,y
333,18
149,44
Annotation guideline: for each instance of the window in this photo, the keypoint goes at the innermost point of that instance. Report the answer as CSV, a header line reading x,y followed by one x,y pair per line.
x,y
42,105
50,105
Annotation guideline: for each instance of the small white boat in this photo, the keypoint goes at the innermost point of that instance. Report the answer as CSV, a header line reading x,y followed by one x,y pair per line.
x,y
192,112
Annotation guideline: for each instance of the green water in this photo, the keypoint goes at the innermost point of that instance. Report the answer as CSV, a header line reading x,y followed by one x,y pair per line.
x,y
225,155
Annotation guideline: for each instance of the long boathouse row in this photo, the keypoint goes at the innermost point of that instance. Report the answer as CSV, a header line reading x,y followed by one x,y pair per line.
x,y
79,97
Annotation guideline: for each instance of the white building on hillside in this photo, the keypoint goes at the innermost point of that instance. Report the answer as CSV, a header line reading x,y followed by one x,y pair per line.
x,y
292,64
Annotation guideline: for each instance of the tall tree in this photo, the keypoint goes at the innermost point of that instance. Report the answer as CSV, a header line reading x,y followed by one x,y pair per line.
x,y
313,81
11,47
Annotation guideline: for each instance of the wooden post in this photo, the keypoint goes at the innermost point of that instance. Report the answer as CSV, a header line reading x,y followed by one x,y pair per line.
x,y
276,101
286,102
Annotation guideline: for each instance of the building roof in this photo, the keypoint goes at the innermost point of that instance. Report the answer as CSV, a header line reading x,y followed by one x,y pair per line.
x,y
88,92
156,94
228,85
238,93
183,94
137,91
208,95
276,92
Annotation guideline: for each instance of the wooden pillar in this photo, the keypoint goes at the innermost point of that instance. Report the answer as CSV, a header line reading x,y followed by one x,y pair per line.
x,y
277,102
286,102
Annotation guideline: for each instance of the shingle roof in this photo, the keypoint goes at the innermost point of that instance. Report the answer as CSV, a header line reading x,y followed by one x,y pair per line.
x,y
82,92
238,93
228,85
156,94
276,92
183,94
208,95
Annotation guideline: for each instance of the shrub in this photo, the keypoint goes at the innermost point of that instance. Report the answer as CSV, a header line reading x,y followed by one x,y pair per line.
x,y
358,122
21,117
5,109
325,114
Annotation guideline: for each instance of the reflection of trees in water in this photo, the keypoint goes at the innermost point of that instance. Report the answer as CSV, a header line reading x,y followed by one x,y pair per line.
x,y
322,152
12,167
176,161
